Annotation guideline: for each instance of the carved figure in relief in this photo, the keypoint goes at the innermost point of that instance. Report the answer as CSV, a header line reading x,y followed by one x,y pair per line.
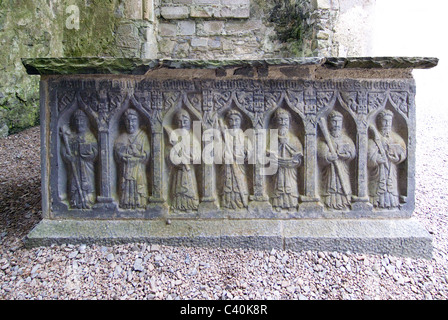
x,y
132,150
335,152
385,152
183,154
237,148
80,150
289,157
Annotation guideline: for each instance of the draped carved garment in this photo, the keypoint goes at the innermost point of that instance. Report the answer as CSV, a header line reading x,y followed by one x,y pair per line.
x,y
132,153
185,196
289,155
383,182
335,175
237,147
81,179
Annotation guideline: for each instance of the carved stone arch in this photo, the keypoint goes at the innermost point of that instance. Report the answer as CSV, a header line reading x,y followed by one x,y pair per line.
x,y
350,101
130,101
376,102
400,101
65,100
243,101
350,118
193,103
247,121
247,124
182,103
74,104
400,120
65,116
325,101
296,119
295,101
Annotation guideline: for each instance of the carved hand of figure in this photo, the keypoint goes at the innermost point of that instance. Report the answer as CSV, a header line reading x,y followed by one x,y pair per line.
x,y
70,158
332,157
344,155
292,162
395,152
272,155
381,159
86,151
297,159
393,156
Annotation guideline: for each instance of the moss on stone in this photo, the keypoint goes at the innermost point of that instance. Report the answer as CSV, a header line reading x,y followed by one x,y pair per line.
x,y
28,28
96,33
290,20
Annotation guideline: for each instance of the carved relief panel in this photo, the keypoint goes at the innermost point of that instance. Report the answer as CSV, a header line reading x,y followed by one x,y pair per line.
x,y
144,148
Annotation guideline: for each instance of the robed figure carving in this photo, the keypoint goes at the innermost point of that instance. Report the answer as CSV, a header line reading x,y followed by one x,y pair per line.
x,y
132,150
237,150
385,152
79,151
335,152
185,150
289,157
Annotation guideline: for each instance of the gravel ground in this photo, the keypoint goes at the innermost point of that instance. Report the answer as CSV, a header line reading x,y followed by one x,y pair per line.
x,y
140,271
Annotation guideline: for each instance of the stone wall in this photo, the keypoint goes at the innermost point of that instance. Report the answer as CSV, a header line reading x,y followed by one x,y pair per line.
x,y
214,29
200,29
30,28
25,31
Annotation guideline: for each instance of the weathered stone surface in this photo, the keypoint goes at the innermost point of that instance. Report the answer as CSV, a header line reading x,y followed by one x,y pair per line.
x,y
335,169
91,65
400,237
46,66
382,62
175,12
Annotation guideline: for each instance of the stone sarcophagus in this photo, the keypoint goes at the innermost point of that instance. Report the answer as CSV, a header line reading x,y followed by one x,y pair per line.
x,y
312,153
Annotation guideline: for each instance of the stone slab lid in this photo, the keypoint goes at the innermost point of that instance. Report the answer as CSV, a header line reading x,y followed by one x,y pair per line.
x,y
136,66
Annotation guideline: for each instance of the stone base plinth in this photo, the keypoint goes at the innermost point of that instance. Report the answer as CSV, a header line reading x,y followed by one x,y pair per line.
x,y
399,237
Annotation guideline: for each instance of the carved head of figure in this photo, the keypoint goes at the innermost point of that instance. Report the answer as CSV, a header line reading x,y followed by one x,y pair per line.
x,y
234,119
385,122
335,123
131,121
282,118
79,121
183,120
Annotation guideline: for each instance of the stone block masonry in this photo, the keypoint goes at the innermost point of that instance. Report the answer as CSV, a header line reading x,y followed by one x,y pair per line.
x,y
314,153
205,9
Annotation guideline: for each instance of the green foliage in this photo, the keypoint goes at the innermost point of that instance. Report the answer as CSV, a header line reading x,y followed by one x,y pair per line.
x,y
289,18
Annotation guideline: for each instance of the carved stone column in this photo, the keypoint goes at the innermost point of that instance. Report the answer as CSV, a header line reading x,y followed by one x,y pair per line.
x,y
310,162
105,197
259,202
310,201
158,183
361,201
209,200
